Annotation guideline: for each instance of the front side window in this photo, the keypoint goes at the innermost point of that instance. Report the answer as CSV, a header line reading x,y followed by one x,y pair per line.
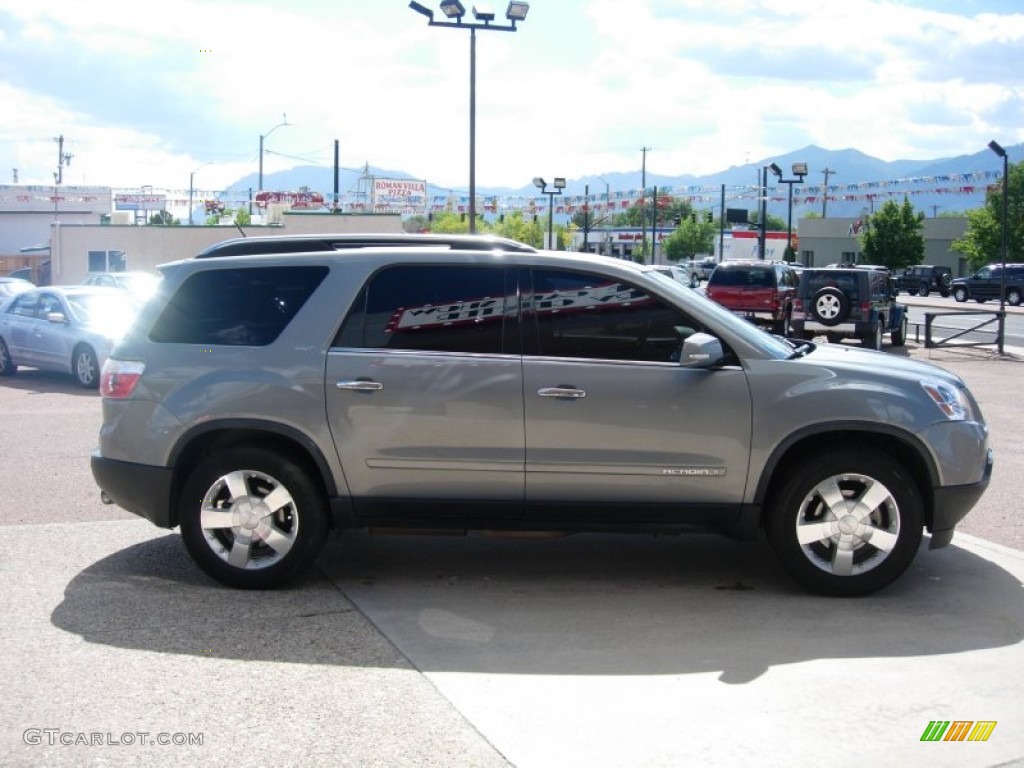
x,y
574,314
438,308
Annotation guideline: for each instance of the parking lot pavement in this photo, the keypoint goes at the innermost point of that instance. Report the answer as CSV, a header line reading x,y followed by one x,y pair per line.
x,y
421,651
112,640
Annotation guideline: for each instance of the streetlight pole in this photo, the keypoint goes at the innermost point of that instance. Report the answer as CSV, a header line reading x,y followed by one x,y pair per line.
x,y
191,189
762,211
557,187
799,170
994,146
263,136
453,9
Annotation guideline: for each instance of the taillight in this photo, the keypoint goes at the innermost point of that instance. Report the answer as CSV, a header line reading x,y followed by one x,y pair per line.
x,y
119,377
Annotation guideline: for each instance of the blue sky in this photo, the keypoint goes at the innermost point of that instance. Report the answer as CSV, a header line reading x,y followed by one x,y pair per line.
x,y
148,96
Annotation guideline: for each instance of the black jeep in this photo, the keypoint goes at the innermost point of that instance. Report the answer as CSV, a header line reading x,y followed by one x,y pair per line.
x,y
922,279
849,303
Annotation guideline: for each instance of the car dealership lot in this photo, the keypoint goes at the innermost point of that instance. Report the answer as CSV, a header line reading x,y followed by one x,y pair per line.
x,y
589,650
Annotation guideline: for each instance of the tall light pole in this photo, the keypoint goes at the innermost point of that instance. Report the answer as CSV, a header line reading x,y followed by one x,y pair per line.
x,y
762,211
994,146
799,170
607,217
557,186
191,189
453,9
263,136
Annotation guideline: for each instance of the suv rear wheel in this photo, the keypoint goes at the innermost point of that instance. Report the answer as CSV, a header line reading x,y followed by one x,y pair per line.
x,y
873,338
1013,297
960,293
251,518
846,523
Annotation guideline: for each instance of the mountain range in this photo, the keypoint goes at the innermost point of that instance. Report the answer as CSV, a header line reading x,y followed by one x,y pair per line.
x,y
855,181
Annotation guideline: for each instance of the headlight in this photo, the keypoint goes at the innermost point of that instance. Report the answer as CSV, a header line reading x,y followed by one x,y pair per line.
x,y
952,401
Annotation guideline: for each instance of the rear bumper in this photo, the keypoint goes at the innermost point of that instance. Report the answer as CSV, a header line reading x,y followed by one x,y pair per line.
x,y
141,489
951,505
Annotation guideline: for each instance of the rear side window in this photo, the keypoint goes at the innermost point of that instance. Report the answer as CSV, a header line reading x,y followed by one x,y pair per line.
x,y
462,309
236,307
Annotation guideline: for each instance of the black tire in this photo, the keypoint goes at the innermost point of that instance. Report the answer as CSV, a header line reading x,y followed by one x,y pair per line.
x,y
960,293
784,326
834,338
1013,296
7,366
899,336
944,293
694,280
830,306
922,291
830,551
873,339
226,526
85,367
946,281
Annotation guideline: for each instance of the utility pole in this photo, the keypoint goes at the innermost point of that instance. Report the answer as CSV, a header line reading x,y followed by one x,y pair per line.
x,y
63,158
824,196
643,193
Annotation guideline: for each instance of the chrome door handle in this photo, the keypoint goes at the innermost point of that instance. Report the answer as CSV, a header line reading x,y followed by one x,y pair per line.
x,y
570,393
359,385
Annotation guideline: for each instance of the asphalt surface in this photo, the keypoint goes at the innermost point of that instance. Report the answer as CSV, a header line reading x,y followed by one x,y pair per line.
x,y
422,651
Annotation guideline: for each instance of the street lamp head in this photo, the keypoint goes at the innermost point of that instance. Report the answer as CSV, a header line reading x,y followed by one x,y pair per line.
x,y
775,169
422,9
559,183
800,169
483,12
539,183
994,146
453,9
517,11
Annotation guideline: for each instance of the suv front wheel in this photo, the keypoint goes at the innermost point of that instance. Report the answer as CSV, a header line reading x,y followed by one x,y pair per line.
x,y
251,518
846,523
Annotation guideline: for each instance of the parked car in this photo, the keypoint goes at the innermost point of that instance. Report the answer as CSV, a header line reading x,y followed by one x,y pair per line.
x,y
761,291
261,401
141,285
680,273
922,279
9,286
987,283
63,328
854,303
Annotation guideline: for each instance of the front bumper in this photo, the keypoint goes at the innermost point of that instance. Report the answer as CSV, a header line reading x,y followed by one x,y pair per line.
x,y
951,505
141,489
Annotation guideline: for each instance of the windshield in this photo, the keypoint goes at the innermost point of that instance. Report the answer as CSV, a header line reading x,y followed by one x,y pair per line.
x,y
109,312
717,316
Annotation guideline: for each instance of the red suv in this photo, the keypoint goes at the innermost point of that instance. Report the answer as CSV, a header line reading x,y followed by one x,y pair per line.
x,y
762,291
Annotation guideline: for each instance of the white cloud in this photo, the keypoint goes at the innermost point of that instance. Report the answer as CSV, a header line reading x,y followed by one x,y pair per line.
x,y
148,98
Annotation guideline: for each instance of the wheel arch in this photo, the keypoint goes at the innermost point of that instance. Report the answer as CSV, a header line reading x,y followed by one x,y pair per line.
x,y
223,435
802,445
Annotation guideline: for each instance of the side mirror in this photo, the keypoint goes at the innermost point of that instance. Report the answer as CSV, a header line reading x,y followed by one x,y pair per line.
x,y
701,350
56,317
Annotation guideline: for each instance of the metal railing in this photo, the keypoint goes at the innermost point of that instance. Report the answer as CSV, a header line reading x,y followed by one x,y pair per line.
x,y
991,336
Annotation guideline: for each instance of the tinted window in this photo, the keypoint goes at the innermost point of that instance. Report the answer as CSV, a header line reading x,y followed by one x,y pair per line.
x,y
570,314
744,277
436,308
844,281
238,307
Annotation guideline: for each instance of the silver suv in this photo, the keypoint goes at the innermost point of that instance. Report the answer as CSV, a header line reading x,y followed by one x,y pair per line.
x,y
261,401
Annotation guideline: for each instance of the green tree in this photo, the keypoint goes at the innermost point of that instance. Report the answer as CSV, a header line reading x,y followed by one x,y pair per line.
x,y
242,217
771,223
982,242
690,239
525,230
163,219
449,223
893,236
